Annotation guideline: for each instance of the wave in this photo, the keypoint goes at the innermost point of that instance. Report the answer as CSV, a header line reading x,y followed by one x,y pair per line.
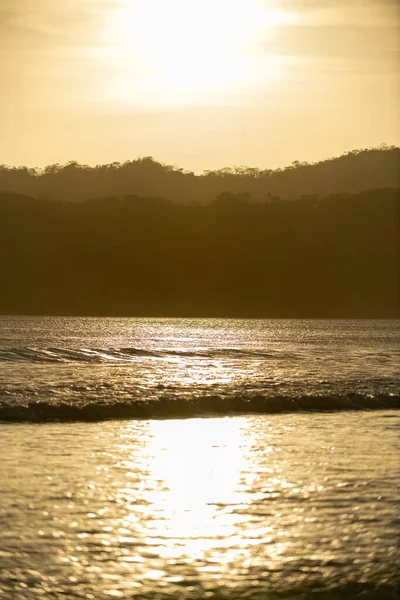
x,y
105,355
167,407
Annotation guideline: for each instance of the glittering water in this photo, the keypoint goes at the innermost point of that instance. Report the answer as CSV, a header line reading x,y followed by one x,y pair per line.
x,y
72,368
256,506
235,506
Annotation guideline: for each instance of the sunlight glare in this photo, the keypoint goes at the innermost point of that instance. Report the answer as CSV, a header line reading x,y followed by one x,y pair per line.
x,y
184,50
198,465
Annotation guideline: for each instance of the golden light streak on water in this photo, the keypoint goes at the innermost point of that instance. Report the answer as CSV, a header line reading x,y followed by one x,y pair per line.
x,y
198,478
189,508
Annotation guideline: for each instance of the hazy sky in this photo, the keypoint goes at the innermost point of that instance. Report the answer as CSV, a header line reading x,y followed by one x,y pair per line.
x,y
196,83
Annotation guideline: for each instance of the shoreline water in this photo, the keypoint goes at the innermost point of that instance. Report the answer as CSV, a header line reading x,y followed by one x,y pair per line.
x,y
255,507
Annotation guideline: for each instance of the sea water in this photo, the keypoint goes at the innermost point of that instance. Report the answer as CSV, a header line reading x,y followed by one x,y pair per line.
x,y
188,459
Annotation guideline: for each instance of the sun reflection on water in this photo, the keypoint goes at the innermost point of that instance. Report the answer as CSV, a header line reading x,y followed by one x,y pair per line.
x,y
196,471
203,494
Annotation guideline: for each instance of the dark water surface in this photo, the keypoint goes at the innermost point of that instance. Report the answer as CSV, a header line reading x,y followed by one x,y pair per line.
x,y
241,504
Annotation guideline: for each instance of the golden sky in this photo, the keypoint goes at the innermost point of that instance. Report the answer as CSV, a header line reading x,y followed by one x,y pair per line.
x,y
202,84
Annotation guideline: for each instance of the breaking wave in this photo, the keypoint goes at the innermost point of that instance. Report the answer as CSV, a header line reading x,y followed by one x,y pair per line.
x,y
106,355
167,407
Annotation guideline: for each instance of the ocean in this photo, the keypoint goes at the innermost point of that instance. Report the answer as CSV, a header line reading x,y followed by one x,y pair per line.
x,y
199,458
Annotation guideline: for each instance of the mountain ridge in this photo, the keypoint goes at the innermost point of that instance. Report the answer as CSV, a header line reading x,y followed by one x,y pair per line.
x,y
352,172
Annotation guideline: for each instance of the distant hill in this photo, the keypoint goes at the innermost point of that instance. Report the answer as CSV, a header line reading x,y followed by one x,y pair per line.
x,y
353,172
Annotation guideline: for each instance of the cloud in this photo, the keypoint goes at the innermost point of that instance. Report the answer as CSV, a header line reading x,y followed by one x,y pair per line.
x,y
39,24
358,36
358,13
365,44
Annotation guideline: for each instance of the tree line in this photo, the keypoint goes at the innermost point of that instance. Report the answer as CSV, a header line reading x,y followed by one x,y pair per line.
x,y
353,172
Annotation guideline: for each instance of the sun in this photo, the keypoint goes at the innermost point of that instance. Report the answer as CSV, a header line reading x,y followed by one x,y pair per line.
x,y
188,48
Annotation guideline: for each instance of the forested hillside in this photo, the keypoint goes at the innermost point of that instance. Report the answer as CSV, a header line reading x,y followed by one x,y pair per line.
x,y
336,256
353,172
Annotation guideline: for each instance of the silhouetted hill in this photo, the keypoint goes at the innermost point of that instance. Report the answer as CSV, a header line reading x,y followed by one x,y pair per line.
x,y
331,257
353,172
